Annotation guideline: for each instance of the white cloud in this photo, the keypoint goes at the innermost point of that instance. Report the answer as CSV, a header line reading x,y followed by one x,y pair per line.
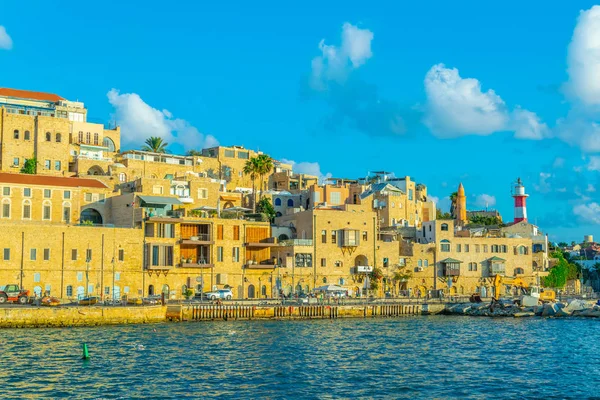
x,y
6,42
309,168
588,212
138,121
584,58
559,162
456,106
485,200
527,125
594,164
543,186
579,130
335,63
435,199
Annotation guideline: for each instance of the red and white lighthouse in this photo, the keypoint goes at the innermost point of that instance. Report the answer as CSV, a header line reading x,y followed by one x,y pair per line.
x,y
520,201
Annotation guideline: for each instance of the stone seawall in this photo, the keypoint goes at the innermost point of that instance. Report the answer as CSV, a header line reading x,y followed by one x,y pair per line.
x,y
30,317
25,317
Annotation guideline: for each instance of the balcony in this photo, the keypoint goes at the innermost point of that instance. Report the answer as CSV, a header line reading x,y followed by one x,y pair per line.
x,y
267,242
159,267
451,267
199,238
264,264
296,242
197,265
186,200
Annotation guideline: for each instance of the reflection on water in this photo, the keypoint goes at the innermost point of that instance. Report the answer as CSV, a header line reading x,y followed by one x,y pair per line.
x,y
443,357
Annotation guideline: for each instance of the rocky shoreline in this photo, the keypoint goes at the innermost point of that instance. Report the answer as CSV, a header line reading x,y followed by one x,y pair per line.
x,y
573,308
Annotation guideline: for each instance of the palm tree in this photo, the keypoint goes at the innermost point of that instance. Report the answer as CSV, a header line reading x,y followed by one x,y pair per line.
x,y
252,168
155,144
453,196
265,166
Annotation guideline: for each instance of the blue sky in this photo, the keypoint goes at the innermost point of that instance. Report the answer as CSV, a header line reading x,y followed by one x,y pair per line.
x,y
442,91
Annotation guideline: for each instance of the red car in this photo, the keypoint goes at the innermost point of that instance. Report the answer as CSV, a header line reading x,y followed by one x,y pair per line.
x,y
12,293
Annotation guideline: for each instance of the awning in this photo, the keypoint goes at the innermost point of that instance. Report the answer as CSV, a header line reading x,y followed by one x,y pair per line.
x,y
225,197
159,200
450,260
496,259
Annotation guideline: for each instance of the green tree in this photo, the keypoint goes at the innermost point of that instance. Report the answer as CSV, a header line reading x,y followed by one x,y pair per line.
x,y
453,196
561,272
193,153
485,220
265,166
252,168
375,277
155,144
265,207
29,166
563,244
443,215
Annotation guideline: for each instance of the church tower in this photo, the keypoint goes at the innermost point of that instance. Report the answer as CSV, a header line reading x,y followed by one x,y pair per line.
x,y
461,206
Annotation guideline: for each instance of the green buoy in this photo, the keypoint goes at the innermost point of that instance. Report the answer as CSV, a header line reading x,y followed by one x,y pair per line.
x,y
86,354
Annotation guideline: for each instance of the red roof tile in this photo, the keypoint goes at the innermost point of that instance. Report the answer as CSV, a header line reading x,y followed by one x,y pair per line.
x,y
44,180
26,94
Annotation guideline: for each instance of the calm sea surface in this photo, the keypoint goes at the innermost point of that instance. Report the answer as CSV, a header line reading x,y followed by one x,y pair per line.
x,y
414,358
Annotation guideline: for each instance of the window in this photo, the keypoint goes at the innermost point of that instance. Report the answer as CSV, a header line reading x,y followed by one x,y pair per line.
x,y
69,290
58,138
365,236
485,248
335,198
156,189
236,254
6,255
333,237
229,153
472,266
290,203
494,248
117,276
243,155
48,137
109,144
458,248
27,135
278,201
16,134
6,191
33,254
444,227
219,232
66,194
426,263
66,217
46,212
121,255
521,250
57,165
410,194
323,262
236,232
27,209
74,255
445,246
88,197
47,193
80,137
477,248
303,260
46,254
323,236
350,238
466,248
79,276
16,162
122,177
95,139
6,209
220,253
419,263
88,255
88,137
37,277
165,230
519,271
26,192
203,193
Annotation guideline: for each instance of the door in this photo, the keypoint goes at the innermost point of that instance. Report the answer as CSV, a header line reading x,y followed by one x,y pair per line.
x,y
116,293
251,292
80,292
151,290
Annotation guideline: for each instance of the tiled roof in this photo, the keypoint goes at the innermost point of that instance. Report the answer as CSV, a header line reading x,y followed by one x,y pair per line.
x,y
26,94
44,180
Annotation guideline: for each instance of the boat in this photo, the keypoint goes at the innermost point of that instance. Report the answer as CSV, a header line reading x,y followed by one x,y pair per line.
x,y
88,301
49,301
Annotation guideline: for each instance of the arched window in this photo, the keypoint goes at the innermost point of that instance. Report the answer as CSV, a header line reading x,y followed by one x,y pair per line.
x,y
122,177
278,201
263,290
96,139
47,210
444,227
26,209
150,290
419,263
48,137
278,214
251,292
109,144
519,271
290,203
426,263
80,137
66,215
88,138
16,134
521,250
27,135
58,138
445,245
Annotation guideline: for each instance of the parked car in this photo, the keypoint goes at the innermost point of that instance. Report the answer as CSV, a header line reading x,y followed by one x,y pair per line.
x,y
152,299
219,294
12,293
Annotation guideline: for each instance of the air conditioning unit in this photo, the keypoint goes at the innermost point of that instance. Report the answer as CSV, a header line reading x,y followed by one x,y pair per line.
x,y
419,269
